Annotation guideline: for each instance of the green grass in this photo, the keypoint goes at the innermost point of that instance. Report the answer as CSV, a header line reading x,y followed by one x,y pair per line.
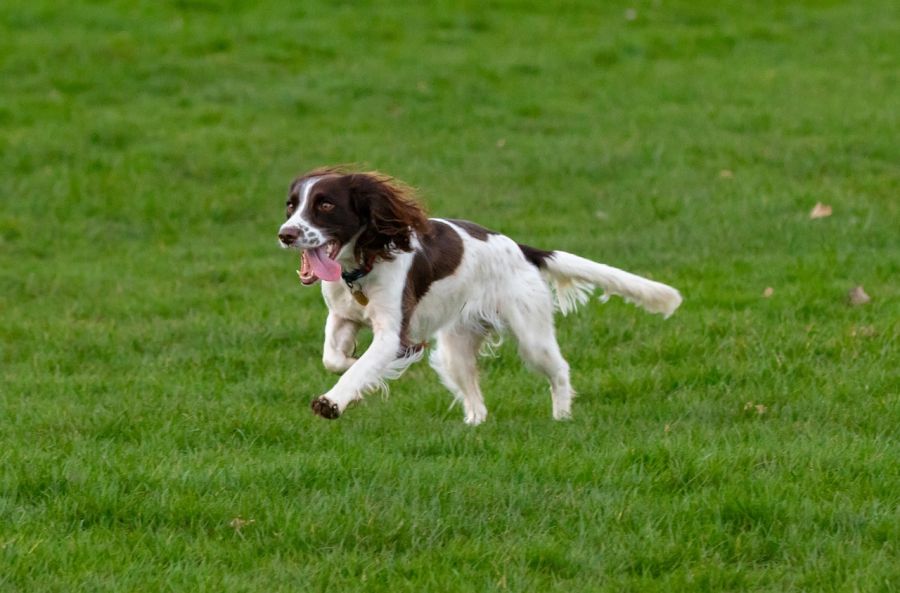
x,y
158,355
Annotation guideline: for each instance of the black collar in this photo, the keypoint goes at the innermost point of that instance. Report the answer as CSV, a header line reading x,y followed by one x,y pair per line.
x,y
354,275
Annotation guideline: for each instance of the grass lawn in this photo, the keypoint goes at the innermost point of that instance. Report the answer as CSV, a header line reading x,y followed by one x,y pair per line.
x,y
158,356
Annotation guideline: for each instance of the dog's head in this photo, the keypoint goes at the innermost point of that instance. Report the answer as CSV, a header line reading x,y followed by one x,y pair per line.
x,y
332,216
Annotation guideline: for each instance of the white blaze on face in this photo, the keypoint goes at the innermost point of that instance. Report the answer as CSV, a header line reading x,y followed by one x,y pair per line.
x,y
309,235
317,253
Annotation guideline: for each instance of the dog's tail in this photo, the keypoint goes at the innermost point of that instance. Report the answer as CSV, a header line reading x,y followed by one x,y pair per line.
x,y
574,280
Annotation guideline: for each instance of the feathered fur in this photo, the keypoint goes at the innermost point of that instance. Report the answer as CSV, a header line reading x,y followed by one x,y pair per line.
x,y
449,283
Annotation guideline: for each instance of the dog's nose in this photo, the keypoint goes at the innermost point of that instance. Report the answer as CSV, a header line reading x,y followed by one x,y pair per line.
x,y
288,235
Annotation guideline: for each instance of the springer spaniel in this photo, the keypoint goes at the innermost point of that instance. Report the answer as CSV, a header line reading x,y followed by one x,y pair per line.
x,y
383,263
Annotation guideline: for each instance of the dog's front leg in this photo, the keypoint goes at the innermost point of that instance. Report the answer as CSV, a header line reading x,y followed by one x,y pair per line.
x,y
340,342
366,373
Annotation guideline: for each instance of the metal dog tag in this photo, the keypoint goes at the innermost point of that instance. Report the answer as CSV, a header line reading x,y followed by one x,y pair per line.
x,y
360,297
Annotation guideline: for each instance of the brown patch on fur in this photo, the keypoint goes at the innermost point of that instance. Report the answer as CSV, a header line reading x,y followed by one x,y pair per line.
x,y
439,256
536,256
475,230
318,172
293,200
390,212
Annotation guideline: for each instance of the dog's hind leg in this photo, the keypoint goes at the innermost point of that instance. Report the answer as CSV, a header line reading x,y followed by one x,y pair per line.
x,y
455,360
340,342
531,321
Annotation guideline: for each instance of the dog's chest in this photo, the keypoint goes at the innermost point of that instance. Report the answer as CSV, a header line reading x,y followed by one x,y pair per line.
x,y
341,302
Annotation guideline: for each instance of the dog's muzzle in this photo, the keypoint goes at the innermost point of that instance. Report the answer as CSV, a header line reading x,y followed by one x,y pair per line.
x,y
289,235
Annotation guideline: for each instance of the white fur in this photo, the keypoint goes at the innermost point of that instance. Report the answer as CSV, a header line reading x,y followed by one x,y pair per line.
x,y
575,278
310,236
494,288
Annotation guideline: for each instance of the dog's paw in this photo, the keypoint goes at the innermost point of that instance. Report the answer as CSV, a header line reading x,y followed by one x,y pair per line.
x,y
475,415
325,408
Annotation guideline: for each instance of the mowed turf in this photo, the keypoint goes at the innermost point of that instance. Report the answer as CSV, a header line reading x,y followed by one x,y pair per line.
x,y
159,356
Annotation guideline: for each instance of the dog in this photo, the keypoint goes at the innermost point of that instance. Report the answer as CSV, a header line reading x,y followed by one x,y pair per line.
x,y
383,263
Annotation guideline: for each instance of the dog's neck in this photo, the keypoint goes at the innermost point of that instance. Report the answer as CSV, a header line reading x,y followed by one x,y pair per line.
x,y
347,255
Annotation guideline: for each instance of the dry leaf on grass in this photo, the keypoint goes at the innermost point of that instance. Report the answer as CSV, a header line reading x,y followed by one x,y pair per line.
x,y
857,296
768,292
726,174
760,409
865,331
237,523
820,210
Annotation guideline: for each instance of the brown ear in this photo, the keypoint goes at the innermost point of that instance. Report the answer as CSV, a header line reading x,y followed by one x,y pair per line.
x,y
389,211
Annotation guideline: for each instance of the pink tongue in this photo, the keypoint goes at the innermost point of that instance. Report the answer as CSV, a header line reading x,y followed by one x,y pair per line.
x,y
323,266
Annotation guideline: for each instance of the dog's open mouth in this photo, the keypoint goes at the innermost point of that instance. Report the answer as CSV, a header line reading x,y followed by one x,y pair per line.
x,y
319,263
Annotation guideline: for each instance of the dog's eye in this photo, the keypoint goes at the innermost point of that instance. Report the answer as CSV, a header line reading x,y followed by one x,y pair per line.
x,y
325,206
